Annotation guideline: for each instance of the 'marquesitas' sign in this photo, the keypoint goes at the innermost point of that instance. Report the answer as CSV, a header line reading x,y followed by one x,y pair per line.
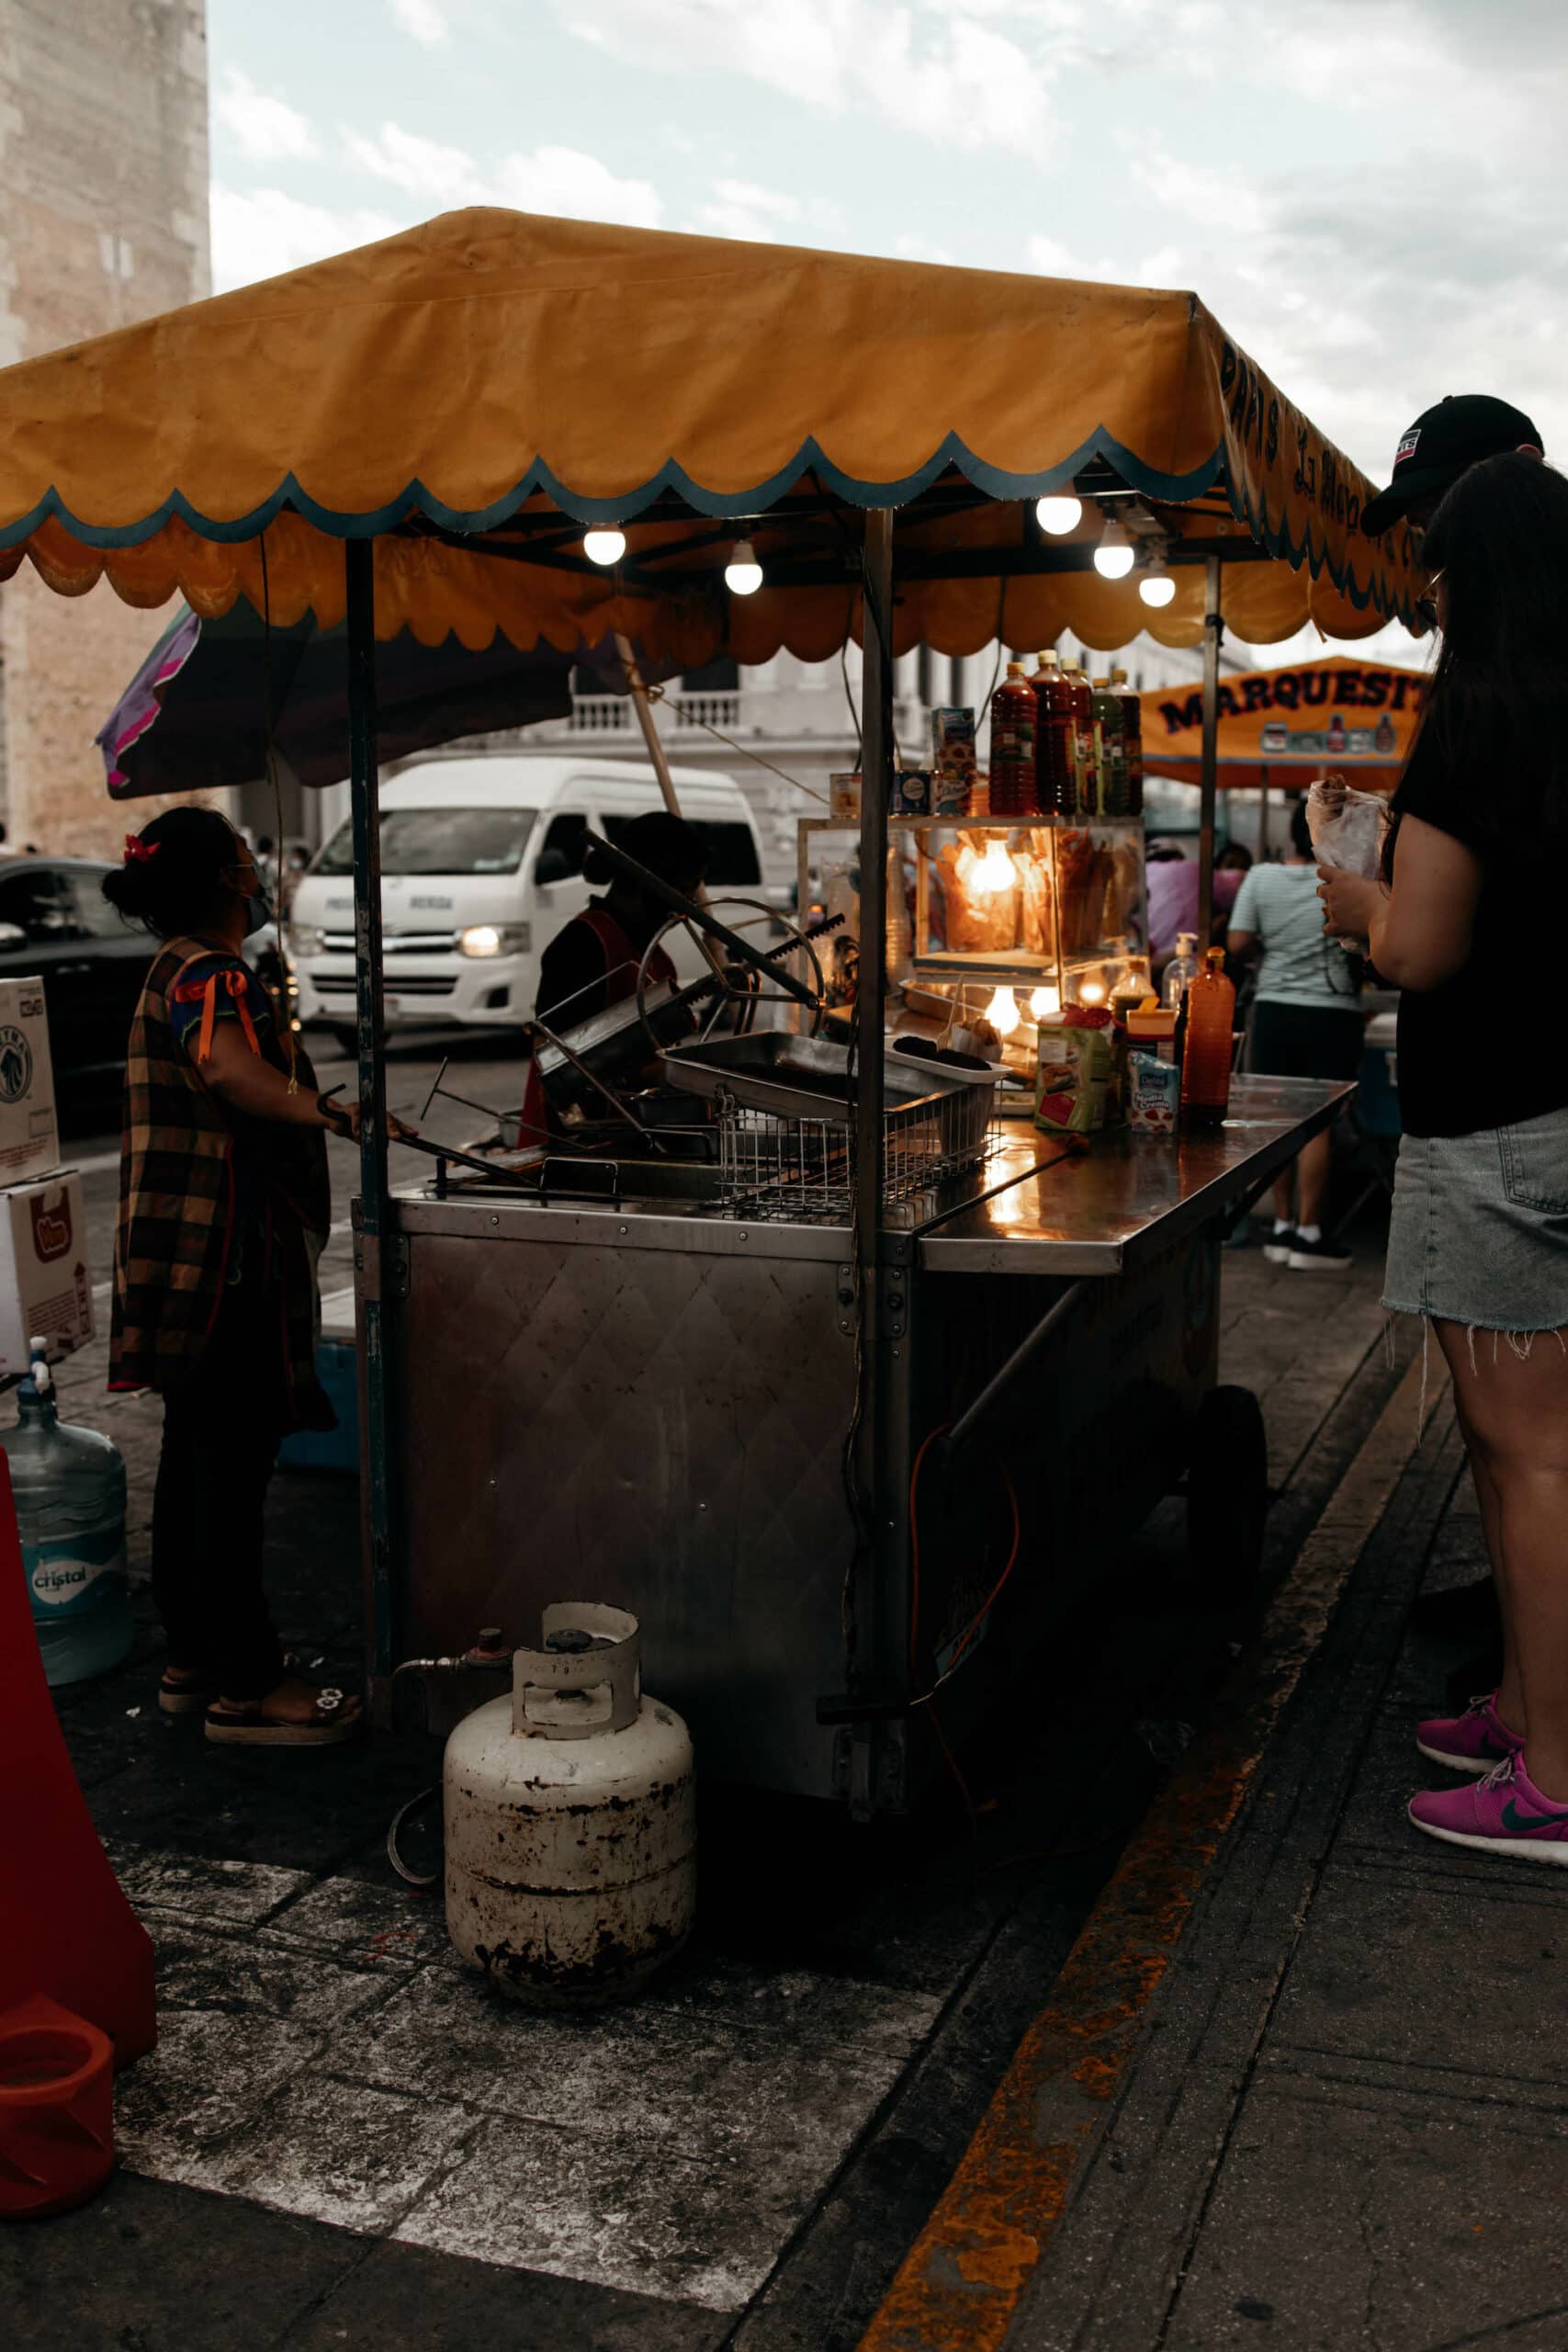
x,y
1335,713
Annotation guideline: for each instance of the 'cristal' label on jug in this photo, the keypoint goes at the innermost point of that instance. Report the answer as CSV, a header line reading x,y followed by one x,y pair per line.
x,y
63,1574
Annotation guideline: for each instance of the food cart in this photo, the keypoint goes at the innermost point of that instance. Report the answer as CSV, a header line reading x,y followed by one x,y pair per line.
x,y
843,1463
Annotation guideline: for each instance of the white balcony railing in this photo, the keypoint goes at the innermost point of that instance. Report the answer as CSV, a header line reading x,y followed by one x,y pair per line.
x,y
600,715
695,711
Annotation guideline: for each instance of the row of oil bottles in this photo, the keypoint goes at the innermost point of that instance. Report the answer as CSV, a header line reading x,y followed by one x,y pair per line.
x,y
1064,746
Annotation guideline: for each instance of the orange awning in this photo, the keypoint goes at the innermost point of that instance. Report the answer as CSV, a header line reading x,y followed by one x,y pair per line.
x,y
497,374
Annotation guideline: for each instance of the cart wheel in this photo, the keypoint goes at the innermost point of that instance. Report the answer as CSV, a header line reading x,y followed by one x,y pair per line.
x,y
1228,1499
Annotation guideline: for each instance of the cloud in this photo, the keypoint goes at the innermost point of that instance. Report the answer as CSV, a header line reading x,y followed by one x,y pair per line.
x,y
262,232
559,180
265,130
947,74
422,20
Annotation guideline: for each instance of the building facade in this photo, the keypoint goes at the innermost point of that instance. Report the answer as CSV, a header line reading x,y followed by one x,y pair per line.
x,y
102,220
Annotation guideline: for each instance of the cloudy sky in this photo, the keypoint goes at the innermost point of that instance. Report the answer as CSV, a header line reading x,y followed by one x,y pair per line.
x,y
1372,194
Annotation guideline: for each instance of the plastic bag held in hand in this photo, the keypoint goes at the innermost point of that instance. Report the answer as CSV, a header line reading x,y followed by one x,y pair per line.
x,y
1347,829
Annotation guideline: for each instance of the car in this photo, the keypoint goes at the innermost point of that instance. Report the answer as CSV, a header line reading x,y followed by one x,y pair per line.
x,y
56,925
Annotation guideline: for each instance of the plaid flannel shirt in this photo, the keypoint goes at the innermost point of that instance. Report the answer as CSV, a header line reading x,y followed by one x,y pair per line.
x,y
176,1207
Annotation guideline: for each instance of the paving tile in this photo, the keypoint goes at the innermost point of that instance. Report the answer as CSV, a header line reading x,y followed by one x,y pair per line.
x,y
233,1893
1337,2229
710,2089
204,2082
340,2153
792,2004
252,1972
364,1923
596,2205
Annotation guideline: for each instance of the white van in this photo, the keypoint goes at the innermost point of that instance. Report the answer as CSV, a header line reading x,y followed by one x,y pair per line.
x,y
481,857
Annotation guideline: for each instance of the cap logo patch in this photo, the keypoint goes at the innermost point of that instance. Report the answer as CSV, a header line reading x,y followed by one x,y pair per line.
x,y
1407,447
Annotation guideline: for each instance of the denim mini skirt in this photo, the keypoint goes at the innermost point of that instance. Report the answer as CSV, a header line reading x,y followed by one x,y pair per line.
x,y
1479,1233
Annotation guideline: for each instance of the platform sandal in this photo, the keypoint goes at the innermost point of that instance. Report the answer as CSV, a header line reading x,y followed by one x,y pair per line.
x,y
246,1724
190,1689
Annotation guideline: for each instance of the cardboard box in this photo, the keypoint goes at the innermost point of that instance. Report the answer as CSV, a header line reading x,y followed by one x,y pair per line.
x,y
45,1287
29,1137
1080,1071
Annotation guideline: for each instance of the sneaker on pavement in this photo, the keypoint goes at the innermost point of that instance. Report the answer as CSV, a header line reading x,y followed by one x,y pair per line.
x,y
1313,1257
1504,1813
1279,1245
1471,1743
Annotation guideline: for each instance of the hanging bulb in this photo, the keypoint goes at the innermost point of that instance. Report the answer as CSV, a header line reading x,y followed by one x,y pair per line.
x,y
1156,587
1002,1012
993,871
1113,557
1059,512
1092,992
606,545
743,573
1045,1003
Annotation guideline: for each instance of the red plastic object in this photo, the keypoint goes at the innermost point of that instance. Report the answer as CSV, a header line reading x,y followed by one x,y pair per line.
x,y
56,2109
66,1930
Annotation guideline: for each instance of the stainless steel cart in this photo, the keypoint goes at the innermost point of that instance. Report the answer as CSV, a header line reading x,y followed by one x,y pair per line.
x,y
643,1398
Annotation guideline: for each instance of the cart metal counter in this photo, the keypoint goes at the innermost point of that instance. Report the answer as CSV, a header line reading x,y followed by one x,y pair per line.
x,y
638,1399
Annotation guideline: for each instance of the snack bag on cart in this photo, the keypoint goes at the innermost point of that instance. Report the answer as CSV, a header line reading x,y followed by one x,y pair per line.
x,y
1347,829
1079,1079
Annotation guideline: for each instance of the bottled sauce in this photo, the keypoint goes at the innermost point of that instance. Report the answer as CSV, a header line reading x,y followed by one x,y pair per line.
x,y
1206,1051
1085,789
69,1485
1132,739
1111,749
1336,733
1012,745
1055,740
1181,970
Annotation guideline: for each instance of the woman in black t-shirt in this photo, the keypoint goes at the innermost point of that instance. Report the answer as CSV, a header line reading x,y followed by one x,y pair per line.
x,y
1466,923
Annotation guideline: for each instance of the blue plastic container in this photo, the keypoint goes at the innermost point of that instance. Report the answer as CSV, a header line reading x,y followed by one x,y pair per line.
x,y
69,1485
330,1449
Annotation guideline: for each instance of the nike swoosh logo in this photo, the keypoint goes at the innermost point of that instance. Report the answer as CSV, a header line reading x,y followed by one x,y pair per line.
x,y
1514,1819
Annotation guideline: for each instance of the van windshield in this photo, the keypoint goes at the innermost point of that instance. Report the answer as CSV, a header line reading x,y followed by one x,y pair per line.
x,y
438,841
731,846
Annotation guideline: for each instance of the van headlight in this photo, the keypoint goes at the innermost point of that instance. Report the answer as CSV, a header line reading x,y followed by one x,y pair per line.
x,y
306,939
494,939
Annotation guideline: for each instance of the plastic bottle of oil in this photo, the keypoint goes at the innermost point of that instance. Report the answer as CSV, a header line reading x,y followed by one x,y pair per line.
x,y
1012,745
1055,740
1085,788
1206,1052
1131,739
1113,749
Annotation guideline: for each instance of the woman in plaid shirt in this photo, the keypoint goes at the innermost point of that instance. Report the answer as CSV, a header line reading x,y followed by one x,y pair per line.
x,y
224,1206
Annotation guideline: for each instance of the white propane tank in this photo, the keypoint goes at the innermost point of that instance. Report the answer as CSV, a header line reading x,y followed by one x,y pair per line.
x,y
571,1820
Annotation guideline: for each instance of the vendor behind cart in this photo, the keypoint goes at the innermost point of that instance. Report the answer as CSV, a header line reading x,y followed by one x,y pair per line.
x,y
592,962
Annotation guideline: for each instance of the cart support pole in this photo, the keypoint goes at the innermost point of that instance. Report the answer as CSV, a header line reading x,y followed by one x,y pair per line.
x,y
660,765
370,1248
1209,774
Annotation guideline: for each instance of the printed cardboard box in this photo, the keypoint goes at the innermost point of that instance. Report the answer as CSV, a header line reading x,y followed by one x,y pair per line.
x,y
29,1137
45,1288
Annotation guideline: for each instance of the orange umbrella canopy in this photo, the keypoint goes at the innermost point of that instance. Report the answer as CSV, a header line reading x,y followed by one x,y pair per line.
x,y
473,393
1338,713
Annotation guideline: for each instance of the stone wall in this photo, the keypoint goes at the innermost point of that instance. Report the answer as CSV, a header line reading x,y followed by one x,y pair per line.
x,y
102,220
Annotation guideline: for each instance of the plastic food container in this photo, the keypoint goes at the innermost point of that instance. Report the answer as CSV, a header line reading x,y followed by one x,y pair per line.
x,y
56,2109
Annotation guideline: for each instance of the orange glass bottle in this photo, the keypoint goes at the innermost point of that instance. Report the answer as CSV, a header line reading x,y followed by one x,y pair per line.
x,y
1206,1052
1055,741
1012,745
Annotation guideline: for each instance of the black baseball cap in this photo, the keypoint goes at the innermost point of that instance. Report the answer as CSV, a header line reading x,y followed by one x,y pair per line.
x,y
1441,444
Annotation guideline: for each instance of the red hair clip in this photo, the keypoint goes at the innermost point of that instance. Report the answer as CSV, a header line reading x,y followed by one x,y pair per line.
x,y
137,851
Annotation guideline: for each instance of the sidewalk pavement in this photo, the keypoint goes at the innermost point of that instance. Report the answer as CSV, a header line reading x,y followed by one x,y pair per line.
x,y
344,2139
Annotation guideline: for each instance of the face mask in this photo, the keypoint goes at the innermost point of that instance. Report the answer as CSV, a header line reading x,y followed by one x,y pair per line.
x,y
258,913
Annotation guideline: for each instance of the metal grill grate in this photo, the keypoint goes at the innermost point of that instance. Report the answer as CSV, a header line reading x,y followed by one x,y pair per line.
x,y
802,1171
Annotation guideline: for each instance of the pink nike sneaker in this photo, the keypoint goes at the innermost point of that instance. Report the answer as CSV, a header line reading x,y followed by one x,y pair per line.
x,y
1472,1742
1504,1813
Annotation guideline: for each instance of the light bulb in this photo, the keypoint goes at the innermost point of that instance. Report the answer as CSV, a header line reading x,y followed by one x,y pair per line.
x,y
1113,556
1002,1012
1156,586
1092,992
993,871
743,573
1045,1003
1059,512
604,546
